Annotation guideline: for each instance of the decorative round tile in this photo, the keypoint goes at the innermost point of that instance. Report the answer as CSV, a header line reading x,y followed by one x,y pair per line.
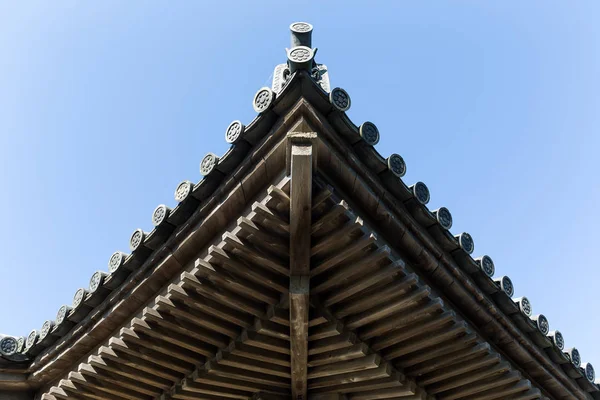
x,y
8,346
208,164
160,214
301,27
590,374
79,297
115,261
466,242
136,239
542,324
421,192
46,329
487,265
525,306
369,132
507,286
557,339
62,313
96,281
234,131
340,99
20,344
300,54
444,217
573,354
397,165
32,339
263,99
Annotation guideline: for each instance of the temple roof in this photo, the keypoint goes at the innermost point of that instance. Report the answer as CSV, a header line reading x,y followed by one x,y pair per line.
x,y
523,340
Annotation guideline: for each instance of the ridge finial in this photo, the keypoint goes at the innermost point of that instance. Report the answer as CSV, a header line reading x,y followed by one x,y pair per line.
x,y
301,34
300,56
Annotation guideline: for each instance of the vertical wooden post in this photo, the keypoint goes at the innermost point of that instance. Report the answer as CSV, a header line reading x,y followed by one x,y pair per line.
x,y
301,168
299,291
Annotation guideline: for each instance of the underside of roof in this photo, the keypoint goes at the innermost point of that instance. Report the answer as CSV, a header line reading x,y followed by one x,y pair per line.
x,y
300,267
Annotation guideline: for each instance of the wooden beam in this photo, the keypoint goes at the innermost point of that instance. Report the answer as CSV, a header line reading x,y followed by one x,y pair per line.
x,y
299,304
301,169
300,208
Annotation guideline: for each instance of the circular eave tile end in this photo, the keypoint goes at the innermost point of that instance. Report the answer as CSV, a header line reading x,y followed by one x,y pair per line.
x,y
8,346
543,324
466,242
183,190
524,305
263,99
78,297
160,214
136,239
421,192
340,99
234,132
369,133
396,164
62,313
507,286
32,339
116,260
487,265
444,217
96,281
46,329
208,164
20,344
590,374
558,340
575,357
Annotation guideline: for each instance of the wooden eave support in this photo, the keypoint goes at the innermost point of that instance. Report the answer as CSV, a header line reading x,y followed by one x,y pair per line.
x,y
228,337
341,166
300,168
236,328
263,164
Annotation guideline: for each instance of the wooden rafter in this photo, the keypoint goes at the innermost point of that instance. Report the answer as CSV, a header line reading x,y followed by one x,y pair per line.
x,y
233,327
239,324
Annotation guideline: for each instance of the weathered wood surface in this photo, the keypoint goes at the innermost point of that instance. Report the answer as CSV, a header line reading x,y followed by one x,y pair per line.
x,y
301,170
372,327
230,327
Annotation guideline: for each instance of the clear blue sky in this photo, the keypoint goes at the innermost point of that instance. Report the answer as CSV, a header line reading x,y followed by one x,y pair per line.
x,y
106,106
